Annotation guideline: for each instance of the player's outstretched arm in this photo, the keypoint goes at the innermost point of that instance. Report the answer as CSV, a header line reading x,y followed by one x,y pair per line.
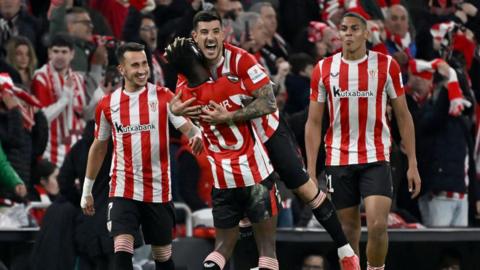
x,y
96,155
313,135
407,132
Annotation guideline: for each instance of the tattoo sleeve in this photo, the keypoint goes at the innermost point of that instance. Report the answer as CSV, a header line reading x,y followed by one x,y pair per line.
x,y
264,103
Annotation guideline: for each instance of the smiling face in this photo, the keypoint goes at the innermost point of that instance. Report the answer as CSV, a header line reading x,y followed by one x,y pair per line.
x,y
209,37
134,69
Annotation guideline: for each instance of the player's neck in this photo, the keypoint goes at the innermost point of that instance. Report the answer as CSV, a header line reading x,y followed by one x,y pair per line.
x,y
132,88
354,55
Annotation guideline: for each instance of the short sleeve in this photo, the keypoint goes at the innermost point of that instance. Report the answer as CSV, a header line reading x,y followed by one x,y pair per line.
x,y
317,88
394,85
251,73
103,128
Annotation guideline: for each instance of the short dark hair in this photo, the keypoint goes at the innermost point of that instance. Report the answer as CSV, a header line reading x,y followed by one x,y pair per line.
x,y
128,47
206,16
61,40
355,15
300,61
42,170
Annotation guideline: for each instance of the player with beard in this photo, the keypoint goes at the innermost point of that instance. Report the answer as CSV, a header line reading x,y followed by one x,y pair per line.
x,y
225,60
244,183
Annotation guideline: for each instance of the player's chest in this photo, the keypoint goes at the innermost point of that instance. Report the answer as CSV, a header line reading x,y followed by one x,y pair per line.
x,y
357,84
138,115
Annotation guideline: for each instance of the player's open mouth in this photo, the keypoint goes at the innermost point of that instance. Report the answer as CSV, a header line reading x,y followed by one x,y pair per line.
x,y
211,48
142,76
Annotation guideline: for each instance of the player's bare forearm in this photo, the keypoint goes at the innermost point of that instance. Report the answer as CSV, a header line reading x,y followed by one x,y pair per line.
x,y
264,103
313,135
96,155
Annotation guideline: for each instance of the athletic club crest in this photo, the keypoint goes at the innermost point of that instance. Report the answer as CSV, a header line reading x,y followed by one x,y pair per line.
x,y
153,106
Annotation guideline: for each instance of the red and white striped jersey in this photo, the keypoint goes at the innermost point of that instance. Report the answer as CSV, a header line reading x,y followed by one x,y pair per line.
x,y
64,117
138,123
356,93
236,155
241,65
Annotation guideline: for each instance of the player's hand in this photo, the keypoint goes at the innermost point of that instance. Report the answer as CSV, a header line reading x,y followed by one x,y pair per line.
x,y
215,114
414,181
196,145
179,108
86,202
457,105
469,9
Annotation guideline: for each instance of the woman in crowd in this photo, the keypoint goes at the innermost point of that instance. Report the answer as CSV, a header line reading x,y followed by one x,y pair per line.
x,y
21,55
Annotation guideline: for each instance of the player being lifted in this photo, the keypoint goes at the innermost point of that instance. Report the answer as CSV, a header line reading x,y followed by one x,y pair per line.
x,y
244,183
225,60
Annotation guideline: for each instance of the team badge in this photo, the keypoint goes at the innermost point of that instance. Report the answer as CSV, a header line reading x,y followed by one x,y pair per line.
x,y
153,106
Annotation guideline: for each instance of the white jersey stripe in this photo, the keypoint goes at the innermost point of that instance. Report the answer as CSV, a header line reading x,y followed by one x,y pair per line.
x,y
120,168
372,85
337,136
155,150
227,173
353,105
136,146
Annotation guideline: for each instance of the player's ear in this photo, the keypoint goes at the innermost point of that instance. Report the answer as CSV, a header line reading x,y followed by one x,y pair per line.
x,y
194,35
121,69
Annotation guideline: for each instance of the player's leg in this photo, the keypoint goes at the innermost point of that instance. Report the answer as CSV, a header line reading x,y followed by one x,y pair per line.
x,y
376,188
262,210
122,223
157,221
227,213
289,165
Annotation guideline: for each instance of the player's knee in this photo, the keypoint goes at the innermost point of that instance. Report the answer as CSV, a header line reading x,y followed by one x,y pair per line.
x,y
162,253
123,243
377,229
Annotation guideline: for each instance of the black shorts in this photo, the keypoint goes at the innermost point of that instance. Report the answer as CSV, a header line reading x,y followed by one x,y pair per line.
x,y
258,202
348,184
124,216
285,158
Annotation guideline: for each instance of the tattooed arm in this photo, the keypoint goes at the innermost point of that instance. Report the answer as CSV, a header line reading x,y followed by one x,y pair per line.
x,y
263,103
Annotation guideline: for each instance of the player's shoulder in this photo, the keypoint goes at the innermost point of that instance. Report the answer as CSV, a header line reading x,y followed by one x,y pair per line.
x,y
233,49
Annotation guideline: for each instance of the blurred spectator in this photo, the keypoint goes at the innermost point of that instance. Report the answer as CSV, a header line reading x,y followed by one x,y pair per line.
x,y
326,40
250,30
21,55
276,49
295,15
141,28
15,20
400,40
297,82
88,57
61,92
44,186
9,179
12,72
44,182
236,8
114,11
314,262
443,140
222,7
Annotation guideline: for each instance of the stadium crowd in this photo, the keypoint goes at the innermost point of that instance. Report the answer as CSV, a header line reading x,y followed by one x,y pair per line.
x,y
58,61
